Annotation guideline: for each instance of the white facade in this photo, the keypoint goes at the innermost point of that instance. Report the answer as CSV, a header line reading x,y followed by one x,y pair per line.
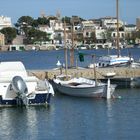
x,y
5,22
129,28
48,30
56,25
111,23
88,25
121,34
100,33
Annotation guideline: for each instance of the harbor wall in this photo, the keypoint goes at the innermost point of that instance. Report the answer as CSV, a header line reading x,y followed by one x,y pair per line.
x,y
88,73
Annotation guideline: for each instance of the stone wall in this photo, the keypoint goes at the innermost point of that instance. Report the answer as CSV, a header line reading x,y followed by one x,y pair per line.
x,y
89,73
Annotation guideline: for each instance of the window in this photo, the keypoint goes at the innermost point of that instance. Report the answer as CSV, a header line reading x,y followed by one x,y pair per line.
x,y
13,48
113,34
87,34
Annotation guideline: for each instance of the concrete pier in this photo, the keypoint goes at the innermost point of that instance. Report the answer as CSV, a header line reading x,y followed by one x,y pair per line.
x,y
88,73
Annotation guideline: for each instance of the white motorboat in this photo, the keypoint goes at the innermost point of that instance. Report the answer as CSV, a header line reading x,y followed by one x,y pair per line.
x,y
114,60
83,87
18,88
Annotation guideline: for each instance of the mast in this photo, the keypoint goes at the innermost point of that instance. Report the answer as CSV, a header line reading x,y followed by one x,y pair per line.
x,y
72,48
95,76
117,16
65,47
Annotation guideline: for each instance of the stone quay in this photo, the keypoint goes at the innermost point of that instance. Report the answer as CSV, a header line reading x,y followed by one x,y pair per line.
x,y
121,72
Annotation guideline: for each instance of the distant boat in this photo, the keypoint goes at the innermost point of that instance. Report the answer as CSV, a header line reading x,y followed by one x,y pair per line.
x,y
114,60
18,88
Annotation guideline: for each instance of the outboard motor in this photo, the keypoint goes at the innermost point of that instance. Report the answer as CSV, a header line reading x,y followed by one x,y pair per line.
x,y
20,88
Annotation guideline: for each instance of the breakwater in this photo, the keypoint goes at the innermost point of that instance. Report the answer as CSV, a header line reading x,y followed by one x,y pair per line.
x,y
88,73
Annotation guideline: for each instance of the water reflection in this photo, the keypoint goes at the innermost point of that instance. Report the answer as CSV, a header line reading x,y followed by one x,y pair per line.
x,y
21,123
70,118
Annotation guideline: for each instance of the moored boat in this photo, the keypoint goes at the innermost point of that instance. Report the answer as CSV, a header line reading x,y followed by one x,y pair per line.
x,y
83,87
114,60
18,88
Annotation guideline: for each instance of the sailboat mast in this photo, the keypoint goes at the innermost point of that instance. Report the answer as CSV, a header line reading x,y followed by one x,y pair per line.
x,y
72,48
65,47
117,16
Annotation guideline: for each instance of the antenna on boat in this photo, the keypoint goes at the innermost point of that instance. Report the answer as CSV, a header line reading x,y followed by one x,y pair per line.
x,y
117,16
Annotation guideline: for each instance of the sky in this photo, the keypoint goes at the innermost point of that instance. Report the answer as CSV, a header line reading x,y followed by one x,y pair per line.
x,y
129,10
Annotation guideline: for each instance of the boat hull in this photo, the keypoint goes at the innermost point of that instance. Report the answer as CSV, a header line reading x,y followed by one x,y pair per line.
x,y
38,99
98,91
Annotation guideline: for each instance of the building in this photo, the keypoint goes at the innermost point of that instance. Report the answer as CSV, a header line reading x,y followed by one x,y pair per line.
x,y
16,47
2,39
100,35
138,23
5,22
111,23
130,28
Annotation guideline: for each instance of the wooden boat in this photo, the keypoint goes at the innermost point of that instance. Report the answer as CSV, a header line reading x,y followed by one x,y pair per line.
x,y
83,87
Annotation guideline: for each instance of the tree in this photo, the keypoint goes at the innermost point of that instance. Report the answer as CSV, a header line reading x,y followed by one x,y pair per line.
x,y
108,35
9,33
67,19
42,21
25,20
36,35
24,23
93,37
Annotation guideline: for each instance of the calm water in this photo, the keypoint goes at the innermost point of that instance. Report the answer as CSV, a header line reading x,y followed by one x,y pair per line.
x,y
71,118
48,59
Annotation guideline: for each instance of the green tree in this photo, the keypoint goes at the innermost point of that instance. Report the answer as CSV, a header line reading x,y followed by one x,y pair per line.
x,y
36,35
42,21
67,19
24,23
93,37
9,33
25,20
108,35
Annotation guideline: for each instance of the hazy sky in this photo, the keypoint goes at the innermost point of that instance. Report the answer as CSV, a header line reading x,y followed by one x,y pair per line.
x,y
129,9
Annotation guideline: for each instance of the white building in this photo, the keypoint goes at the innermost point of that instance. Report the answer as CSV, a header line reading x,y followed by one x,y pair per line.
x,y
121,34
5,22
130,28
56,25
88,25
111,23
100,33
48,30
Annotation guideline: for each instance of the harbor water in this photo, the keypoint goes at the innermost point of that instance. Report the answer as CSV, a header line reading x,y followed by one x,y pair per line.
x,y
71,118
48,59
